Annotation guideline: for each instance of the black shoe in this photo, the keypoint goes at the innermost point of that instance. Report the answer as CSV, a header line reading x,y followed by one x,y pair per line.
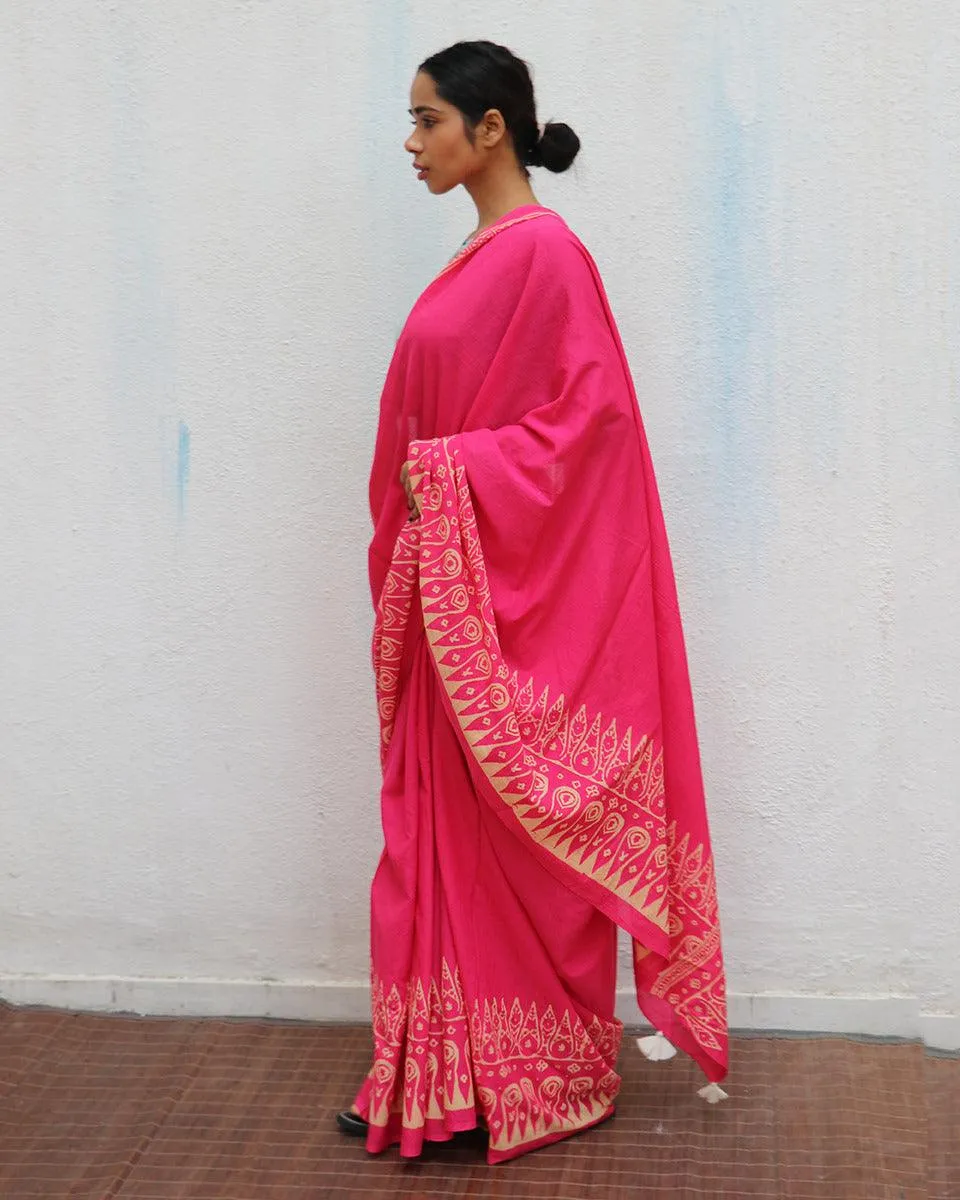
x,y
351,1124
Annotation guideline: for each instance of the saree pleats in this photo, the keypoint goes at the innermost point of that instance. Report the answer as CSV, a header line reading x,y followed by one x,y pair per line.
x,y
493,986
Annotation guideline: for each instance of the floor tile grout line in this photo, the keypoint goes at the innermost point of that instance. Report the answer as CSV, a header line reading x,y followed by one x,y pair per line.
x,y
116,1188
52,1035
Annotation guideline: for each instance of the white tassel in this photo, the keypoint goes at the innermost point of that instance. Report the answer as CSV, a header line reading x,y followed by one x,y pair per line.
x,y
713,1093
656,1048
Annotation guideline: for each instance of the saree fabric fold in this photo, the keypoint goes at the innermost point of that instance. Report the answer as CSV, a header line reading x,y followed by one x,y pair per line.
x,y
542,781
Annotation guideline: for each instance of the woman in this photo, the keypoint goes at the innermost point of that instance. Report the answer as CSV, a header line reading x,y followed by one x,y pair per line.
x,y
541,778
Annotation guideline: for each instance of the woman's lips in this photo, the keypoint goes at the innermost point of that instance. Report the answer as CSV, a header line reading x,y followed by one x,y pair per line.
x,y
421,171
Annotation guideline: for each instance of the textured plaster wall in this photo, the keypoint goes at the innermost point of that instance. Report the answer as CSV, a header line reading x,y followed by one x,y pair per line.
x,y
210,238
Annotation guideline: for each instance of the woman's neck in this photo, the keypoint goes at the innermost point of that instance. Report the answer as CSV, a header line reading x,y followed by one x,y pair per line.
x,y
497,193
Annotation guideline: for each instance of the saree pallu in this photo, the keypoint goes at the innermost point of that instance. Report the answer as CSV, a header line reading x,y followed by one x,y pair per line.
x,y
542,781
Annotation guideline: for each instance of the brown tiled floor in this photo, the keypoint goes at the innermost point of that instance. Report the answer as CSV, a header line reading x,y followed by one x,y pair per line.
x,y
105,1106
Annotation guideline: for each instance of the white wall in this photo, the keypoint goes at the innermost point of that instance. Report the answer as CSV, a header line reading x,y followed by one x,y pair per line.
x,y
210,238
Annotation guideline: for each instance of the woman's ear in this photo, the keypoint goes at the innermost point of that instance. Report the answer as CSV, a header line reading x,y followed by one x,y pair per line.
x,y
491,129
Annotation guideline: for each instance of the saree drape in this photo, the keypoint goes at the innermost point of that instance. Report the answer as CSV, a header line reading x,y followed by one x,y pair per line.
x,y
542,780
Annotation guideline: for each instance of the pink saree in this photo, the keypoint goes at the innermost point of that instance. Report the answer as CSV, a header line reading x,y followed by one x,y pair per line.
x,y
541,775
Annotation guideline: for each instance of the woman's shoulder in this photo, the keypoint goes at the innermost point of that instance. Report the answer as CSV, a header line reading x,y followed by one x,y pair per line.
x,y
542,226
547,237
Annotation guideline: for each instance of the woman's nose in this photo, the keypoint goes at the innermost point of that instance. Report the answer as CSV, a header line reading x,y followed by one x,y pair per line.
x,y
412,144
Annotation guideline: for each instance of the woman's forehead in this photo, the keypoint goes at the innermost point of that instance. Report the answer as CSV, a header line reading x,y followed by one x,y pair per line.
x,y
423,93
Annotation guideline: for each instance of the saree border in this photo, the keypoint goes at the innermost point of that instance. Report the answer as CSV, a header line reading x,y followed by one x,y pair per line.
x,y
533,1074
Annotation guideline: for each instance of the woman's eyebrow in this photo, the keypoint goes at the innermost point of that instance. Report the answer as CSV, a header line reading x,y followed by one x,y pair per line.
x,y
422,108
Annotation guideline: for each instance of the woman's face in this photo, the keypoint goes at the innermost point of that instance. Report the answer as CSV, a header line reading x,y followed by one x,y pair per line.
x,y
442,153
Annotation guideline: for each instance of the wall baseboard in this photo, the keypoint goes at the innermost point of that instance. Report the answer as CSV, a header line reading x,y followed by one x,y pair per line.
x,y
872,1016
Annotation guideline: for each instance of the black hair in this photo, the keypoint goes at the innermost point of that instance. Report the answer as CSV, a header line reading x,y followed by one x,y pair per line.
x,y
478,76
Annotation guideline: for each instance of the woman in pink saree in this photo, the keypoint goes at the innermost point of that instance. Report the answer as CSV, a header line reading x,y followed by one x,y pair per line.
x,y
541,775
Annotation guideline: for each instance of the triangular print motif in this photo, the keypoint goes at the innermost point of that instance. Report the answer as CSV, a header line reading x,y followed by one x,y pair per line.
x,y
568,778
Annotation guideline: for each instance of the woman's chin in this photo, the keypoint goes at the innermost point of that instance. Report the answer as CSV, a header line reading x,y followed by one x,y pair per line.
x,y
439,187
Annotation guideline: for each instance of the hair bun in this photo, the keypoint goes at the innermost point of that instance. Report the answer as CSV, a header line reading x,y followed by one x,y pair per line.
x,y
557,148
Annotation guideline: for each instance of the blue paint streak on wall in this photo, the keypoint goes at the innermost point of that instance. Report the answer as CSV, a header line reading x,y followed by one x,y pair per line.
x,y
736,336
733,314
144,370
391,61
399,232
183,468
